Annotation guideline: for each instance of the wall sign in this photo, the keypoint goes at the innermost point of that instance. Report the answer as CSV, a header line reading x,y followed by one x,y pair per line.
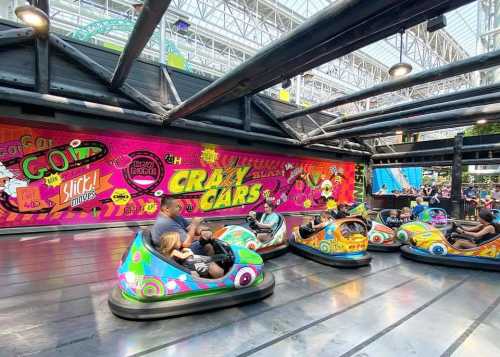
x,y
50,177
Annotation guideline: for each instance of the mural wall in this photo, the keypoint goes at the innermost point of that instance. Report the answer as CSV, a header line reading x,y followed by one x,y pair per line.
x,y
50,177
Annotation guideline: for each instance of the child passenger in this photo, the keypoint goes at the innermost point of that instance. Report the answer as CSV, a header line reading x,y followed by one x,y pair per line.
x,y
393,221
315,225
202,266
405,215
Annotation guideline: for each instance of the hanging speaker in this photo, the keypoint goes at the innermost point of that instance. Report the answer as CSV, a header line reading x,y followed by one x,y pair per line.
x,y
436,23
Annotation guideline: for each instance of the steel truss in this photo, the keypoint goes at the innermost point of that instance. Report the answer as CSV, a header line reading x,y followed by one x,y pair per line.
x,y
489,33
225,33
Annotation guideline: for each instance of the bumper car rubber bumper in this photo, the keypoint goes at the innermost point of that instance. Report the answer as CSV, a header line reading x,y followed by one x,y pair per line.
x,y
138,310
273,252
354,261
450,260
393,247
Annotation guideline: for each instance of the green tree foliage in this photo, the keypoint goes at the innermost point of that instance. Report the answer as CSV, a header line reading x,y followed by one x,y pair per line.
x,y
483,129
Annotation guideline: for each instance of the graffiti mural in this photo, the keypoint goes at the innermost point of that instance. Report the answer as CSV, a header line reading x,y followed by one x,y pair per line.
x,y
50,177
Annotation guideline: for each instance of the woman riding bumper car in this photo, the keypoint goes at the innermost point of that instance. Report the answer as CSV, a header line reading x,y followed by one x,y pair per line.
x,y
265,234
477,247
153,286
340,243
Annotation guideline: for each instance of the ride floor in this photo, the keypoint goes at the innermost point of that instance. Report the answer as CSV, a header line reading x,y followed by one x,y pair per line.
x,y
53,302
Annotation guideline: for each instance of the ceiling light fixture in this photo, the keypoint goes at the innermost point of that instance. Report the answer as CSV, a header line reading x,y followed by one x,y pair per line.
x,y
35,18
400,69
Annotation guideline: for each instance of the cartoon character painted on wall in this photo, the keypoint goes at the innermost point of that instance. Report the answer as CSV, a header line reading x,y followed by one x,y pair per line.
x,y
9,183
326,189
337,178
314,187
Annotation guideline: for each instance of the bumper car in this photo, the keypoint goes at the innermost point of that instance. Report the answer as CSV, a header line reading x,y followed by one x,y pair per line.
x,y
436,217
342,243
152,286
382,215
245,236
496,213
433,247
432,215
427,220
382,238
408,230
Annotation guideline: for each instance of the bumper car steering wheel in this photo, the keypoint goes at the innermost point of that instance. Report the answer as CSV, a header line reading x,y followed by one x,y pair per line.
x,y
252,223
223,254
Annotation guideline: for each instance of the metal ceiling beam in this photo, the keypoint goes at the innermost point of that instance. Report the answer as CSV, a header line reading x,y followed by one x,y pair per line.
x,y
429,126
74,105
431,152
268,112
490,112
168,89
104,74
357,23
327,148
247,113
149,18
468,93
471,64
489,161
12,37
454,104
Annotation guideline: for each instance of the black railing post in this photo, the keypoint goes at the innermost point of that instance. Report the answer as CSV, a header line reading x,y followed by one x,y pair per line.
x,y
456,178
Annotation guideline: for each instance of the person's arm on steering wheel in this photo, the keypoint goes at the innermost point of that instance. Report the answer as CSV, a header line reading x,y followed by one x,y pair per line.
x,y
476,235
191,233
264,225
461,229
253,216
273,221
320,225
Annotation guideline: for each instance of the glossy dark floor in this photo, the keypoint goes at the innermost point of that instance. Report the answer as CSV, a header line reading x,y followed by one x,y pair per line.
x,y
53,302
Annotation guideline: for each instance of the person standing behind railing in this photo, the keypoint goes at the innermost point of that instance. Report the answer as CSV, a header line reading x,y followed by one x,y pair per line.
x,y
487,202
496,196
470,204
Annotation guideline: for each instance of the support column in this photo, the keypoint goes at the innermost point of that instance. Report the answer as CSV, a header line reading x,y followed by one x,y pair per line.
x,y
247,113
42,78
456,178
164,97
298,90
162,41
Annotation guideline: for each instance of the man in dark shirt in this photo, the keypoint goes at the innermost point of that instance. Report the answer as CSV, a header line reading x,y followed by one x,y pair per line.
x,y
169,220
